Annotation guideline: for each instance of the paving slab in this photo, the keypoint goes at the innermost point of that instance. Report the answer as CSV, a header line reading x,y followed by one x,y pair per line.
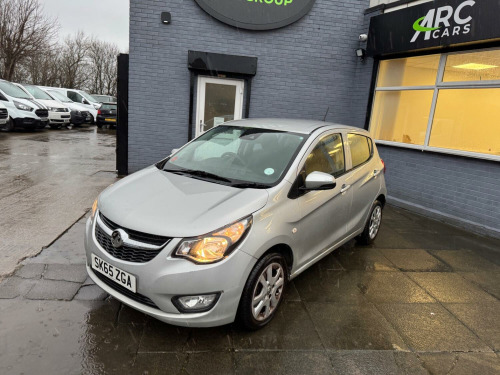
x,y
363,259
91,293
13,287
354,327
376,363
461,363
466,261
66,272
316,285
449,287
53,290
488,281
291,329
414,260
430,327
159,363
164,338
283,363
483,319
220,363
381,287
31,271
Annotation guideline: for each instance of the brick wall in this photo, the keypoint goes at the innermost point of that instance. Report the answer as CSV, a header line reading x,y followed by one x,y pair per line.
x,y
463,189
302,69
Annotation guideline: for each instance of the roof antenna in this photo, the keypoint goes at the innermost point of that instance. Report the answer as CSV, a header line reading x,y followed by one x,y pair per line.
x,y
326,114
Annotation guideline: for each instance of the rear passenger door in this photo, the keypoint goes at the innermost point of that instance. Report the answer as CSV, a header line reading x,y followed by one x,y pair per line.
x,y
362,179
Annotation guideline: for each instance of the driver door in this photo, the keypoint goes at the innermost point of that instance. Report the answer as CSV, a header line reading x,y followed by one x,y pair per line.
x,y
324,213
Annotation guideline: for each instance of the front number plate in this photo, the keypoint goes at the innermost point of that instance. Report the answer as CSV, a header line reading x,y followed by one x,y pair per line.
x,y
119,276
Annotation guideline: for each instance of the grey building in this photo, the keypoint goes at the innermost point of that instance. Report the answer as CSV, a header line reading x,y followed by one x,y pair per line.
x,y
426,84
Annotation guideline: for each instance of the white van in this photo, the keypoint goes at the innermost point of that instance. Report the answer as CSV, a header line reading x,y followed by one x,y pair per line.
x,y
4,115
59,114
24,112
79,113
80,97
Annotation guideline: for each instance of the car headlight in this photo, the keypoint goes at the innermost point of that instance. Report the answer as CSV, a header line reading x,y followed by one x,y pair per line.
x,y
94,209
96,106
215,246
53,109
22,107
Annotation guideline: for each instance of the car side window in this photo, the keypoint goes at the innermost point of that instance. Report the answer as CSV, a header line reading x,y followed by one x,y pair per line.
x,y
72,96
327,157
361,148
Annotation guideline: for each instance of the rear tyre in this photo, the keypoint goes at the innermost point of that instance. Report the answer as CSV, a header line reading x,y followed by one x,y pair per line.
x,y
263,292
372,225
55,126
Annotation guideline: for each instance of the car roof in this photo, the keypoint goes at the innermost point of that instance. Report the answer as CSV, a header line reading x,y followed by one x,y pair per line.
x,y
291,125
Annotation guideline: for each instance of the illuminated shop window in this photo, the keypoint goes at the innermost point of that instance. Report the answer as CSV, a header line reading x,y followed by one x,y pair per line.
x,y
445,102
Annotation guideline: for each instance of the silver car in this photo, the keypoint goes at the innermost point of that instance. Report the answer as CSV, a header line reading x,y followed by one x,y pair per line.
x,y
214,232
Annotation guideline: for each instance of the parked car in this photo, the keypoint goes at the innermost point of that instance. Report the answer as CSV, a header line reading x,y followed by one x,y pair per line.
x,y
4,115
106,115
215,231
79,113
59,114
80,97
24,111
104,98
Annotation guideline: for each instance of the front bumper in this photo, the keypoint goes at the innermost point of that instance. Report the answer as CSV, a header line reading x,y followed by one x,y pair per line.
x,y
164,277
59,118
30,122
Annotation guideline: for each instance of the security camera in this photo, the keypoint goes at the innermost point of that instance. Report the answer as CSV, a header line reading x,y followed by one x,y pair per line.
x,y
363,38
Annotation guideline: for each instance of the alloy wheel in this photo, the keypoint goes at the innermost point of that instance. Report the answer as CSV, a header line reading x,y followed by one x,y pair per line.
x,y
268,291
375,220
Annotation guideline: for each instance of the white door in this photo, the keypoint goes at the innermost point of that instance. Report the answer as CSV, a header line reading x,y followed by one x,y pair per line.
x,y
219,100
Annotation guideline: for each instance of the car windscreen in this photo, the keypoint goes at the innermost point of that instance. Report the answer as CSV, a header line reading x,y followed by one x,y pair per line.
x,y
37,93
240,155
108,106
12,90
61,97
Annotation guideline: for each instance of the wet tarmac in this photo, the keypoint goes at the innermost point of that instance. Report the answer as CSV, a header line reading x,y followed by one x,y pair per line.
x,y
48,180
424,299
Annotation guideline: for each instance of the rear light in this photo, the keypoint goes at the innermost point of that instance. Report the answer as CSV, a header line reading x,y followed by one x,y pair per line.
x,y
383,164
99,112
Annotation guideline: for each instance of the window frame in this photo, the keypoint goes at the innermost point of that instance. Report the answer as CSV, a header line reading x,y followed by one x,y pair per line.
x,y
438,85
316,142
369,138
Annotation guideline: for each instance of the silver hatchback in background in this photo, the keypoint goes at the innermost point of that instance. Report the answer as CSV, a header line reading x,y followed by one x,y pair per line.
x,y
213,233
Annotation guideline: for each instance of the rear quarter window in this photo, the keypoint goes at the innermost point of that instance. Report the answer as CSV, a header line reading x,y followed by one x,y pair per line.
x,y
361,149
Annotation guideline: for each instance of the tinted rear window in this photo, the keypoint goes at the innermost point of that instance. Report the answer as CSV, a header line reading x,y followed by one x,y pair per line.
x,y
108,106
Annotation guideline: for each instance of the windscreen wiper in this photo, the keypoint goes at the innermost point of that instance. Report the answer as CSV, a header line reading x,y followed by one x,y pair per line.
x,y
252,185
197,173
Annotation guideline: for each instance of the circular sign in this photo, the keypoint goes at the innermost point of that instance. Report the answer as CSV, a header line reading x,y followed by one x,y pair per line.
x,y
257,14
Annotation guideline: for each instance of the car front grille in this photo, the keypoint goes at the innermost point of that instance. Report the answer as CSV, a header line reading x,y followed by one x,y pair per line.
x,y
129,253
42,112
65,116
127,293
62,110
3,113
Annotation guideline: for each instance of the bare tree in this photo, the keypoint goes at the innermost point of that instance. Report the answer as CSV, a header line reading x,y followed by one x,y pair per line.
x,y
73,61
102,58
24,29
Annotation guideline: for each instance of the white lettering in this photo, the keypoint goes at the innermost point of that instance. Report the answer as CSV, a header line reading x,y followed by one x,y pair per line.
x,y
457,18
427,22
435,34
446,32
456,30
443,19
466,29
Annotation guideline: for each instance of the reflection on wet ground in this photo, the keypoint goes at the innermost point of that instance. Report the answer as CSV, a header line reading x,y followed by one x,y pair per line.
x,y
424,299
48,180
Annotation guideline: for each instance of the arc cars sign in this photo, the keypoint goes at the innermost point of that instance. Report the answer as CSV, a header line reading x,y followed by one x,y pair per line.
x,y
437,23
257,14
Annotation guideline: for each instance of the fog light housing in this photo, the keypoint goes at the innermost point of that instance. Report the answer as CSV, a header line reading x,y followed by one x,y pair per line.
x,y
196,303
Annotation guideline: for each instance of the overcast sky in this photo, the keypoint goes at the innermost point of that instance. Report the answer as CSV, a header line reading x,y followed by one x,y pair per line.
x,y
106,19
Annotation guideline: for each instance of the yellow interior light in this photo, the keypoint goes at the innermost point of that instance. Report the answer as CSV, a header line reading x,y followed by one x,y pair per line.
x,y
475,66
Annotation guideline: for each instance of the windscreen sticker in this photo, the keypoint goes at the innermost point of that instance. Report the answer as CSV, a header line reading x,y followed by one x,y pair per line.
x,y
269,171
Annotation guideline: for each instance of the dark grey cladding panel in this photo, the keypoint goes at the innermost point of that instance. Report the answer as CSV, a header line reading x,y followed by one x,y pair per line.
x,y
257,14
222,63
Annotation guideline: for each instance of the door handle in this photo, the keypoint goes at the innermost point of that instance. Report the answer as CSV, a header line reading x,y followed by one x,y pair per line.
x,y
376,172
345,188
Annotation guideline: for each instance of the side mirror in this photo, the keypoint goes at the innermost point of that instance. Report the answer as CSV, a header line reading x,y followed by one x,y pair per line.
x,y
85,101
319,181
3,98
174,150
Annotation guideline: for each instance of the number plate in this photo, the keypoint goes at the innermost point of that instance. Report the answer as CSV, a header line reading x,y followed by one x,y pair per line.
x,y
110,119
119,276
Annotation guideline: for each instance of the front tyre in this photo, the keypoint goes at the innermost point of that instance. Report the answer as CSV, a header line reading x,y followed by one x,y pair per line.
x,y
9,126
372,225
263,292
